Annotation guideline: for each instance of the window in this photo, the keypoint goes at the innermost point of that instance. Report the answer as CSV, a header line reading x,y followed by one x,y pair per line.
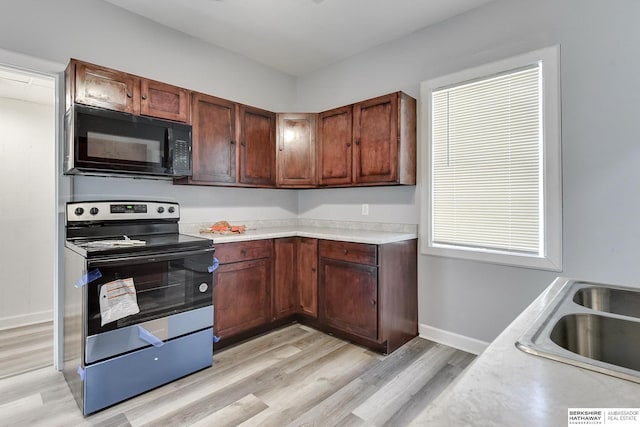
x,y
491,175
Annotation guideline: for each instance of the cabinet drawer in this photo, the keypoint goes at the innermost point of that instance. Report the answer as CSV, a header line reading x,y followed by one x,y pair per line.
x,y
360,253
242,251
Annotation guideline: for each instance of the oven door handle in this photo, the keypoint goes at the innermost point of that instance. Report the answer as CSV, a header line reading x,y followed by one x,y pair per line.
x,y
128,260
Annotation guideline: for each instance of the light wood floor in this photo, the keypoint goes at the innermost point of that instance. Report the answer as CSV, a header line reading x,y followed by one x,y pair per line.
x,y
293,376
26,348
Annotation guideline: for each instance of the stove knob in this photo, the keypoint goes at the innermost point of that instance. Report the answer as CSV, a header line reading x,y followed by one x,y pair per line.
x,y
160,209
78,211
93,211
172,209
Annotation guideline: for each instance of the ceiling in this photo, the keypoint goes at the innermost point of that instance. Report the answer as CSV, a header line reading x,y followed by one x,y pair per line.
x,y
297,36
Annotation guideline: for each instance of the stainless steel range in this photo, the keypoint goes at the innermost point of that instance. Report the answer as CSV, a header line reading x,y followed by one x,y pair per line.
x,y
138,300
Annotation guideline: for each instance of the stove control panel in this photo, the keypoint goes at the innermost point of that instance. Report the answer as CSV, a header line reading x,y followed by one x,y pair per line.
x,y
119,210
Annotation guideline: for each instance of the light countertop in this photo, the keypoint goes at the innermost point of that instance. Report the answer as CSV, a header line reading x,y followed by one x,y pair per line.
x,y
358,232
506,387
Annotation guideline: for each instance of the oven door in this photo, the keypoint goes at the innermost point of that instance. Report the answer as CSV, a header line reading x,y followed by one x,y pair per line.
x,y
165,284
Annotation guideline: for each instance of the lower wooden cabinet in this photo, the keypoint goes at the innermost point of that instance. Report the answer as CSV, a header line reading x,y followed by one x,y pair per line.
x,y
369,292
285,284
362,292
349,297
242,291
307,276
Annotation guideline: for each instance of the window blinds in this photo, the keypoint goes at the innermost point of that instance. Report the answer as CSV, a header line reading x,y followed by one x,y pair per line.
x,y
486,163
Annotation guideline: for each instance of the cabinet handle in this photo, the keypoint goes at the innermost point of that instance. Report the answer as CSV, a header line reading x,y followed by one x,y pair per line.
x,y
129,95
243,143
243,252
373,302
313,269
144,97
232,142
345,251
357,142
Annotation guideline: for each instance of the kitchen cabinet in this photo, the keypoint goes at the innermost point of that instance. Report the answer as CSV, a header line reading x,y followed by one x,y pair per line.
x,y
307,275
372,142
103,87
214,140
296,150
285,295
233,144
296,278
369,292
257,146
242,292
335,146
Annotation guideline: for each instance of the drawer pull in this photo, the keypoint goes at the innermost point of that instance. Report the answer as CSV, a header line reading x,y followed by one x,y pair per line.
x,y
345,251
373,302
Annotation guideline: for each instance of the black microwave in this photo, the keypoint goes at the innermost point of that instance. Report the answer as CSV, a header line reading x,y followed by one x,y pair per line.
x,y
109,142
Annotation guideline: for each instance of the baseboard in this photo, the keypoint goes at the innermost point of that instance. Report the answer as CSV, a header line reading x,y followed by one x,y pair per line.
x,y
461,342
25,319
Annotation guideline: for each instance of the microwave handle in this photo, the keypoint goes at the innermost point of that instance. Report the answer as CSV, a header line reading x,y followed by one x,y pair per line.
x,y
169,143
128,260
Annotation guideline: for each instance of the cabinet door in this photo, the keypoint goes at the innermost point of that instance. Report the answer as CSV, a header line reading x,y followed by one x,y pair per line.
x,y
375,134
164,101
257,150
349,297
296,154
241,296
307,276
334,146
214,143
106,88
285,296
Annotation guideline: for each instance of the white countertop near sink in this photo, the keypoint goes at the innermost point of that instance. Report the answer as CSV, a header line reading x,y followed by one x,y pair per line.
x,y
506,387
347,231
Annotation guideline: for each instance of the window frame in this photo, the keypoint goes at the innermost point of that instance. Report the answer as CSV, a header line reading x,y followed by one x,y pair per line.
x,y
551,162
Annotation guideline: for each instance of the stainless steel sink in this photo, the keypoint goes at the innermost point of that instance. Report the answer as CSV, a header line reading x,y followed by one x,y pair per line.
x,y
611,300
593,326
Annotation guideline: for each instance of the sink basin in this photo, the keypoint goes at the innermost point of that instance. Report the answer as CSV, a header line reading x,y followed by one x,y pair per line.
x,y
611,300
606,339
593,326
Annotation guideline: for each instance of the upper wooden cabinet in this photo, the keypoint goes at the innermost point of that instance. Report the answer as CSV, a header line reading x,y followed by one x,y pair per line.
x,y
372,142
106,88
163,101
335,146
296,150
257,146
214,140
233,144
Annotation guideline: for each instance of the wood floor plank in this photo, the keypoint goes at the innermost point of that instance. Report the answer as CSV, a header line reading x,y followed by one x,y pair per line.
x,y
26,348
234,414
378,408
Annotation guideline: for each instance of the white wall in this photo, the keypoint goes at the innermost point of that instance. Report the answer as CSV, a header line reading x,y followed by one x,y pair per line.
x,y
27,174
601,154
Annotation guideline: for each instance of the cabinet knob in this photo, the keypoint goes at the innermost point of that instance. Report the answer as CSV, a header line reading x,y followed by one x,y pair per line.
x,y
313,269
373,302
243,143
232,142
243,252
357,142
144,97
345,251
129,95
348,144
